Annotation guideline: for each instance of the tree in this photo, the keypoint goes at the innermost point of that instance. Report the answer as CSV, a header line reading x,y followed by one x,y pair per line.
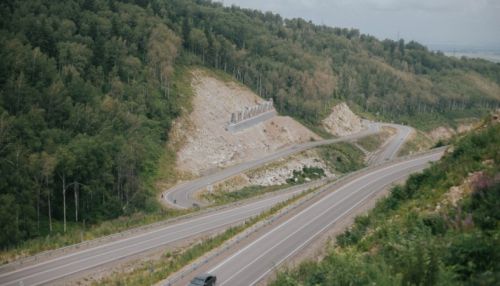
x,y
64,169
163,47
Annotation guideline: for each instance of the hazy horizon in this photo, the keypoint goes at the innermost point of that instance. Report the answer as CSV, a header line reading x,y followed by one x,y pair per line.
x,y
445,25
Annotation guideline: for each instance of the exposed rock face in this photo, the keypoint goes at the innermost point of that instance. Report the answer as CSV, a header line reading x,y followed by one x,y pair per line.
x,y
279,175
441,133
342,121
207,145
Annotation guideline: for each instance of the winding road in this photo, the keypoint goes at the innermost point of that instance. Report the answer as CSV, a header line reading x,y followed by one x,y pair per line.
x,y
182,195
253,261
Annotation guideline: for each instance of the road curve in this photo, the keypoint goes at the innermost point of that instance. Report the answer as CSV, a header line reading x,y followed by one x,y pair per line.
x,y
259,258
391,149
53,269
181,195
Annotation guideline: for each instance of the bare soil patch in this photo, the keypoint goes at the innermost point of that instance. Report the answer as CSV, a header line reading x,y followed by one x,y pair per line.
x,y
208,146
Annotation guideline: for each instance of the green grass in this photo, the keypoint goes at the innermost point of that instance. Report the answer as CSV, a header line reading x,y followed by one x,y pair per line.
x,y
408,240
77,233
223,197
373,142
305,175
419,142
342,157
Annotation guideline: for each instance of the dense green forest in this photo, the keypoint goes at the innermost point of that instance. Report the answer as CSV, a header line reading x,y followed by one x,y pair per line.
x,y
88,92
427,232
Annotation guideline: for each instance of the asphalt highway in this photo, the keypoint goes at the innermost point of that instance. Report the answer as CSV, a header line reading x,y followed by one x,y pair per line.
x,y
255,261
392,148
65,265
181,195
56,268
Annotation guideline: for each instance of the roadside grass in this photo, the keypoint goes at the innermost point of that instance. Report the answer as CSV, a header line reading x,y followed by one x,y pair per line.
x,y
173,262
339,157
222,197
373,142
342,157
418,234
77,233
418,142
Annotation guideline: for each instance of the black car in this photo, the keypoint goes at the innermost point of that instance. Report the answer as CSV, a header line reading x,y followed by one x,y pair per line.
x,y
203,280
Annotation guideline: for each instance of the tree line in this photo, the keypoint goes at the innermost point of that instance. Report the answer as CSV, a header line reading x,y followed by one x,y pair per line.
x,y
87,92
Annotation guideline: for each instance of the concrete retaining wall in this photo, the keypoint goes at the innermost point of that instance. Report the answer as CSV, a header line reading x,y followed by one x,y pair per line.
x,y
235,127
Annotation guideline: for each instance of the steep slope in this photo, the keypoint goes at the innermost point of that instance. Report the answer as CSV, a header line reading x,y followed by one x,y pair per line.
x,y
342,121
88,93
207,142
303,66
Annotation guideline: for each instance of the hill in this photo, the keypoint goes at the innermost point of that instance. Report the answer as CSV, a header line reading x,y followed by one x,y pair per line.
x,y
440,228
89,90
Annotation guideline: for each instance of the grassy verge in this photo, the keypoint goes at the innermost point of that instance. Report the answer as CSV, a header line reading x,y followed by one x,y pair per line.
x,y
437,229
419,142
170,263
342,157
373,142
223,197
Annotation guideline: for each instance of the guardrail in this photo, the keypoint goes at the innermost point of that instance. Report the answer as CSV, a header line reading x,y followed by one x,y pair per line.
x,y
184,272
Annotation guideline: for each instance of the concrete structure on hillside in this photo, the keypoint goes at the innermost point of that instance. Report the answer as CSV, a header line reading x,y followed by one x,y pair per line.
x,y
251,116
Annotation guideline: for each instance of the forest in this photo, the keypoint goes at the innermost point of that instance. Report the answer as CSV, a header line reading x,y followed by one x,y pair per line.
x,y
88,93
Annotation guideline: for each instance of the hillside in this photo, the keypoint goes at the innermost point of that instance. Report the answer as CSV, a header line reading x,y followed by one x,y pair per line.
x,y
440,228
89,90
207,144
306,67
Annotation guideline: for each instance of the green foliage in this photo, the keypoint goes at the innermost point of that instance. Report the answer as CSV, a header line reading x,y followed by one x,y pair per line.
x,y
373,142
413,237
306,68
307,173
89,89
342,157
223,197
169,263
87,99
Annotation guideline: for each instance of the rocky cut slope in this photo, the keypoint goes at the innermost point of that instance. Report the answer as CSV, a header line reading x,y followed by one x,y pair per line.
x,y
342,121
207,145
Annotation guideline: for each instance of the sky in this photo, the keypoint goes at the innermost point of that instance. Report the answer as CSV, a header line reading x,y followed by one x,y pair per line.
x,y
439,24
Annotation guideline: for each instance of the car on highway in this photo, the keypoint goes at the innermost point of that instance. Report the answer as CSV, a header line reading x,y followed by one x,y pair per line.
x,y
203,280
